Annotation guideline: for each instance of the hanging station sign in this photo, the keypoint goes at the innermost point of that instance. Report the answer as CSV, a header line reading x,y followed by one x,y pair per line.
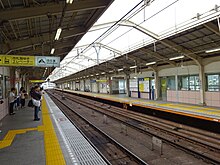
x,y
37,81
10,60
45,61
39,61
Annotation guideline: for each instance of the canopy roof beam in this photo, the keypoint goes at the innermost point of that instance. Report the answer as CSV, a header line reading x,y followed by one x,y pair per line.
x,y
53,8
158,56
165,42
25,43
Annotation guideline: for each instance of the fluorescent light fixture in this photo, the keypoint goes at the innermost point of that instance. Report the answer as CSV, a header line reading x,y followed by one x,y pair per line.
x,y
103,72
87,76
120,69
151,63
69,1
52,51
212,50
133,67
97,74
59,30
91,75
176,58
111,71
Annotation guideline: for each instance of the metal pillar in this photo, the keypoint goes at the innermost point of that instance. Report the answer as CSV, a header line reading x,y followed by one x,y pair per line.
x,y
176,86
127,77
98,87
202,84
157,88
110,85
84,85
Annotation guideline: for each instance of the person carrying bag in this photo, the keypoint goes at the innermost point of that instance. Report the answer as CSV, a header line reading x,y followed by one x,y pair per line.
x,y
36,97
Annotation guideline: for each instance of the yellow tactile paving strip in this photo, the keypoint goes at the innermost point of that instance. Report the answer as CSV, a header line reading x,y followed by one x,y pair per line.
x,y
53,152
177,108
54,155
8,139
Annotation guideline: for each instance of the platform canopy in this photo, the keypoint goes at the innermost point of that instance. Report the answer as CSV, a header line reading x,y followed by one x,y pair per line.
x,y
30,27
134,33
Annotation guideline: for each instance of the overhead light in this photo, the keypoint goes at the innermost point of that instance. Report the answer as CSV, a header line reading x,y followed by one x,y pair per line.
x,y
120,69
91,75
151,63
212,50
69,1
133,67
97,74
176,58
111,71
52,51
59,30
103,72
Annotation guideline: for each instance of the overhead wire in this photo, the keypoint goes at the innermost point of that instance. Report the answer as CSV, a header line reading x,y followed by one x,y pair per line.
x,y
106,31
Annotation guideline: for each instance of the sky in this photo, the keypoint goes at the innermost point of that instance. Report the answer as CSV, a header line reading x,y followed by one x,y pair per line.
x,y
158,17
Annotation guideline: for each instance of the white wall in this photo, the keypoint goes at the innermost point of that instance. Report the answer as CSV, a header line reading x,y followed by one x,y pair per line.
x,y
142,74
88,85
5,71
94,87
185,70
212,67
81,85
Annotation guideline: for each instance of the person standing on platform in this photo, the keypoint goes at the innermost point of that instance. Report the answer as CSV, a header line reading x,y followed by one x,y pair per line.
x,y
23,96
18,100
36,97
12,99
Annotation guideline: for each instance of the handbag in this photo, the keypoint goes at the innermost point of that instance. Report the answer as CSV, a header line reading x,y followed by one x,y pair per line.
x,y
30,103
36,102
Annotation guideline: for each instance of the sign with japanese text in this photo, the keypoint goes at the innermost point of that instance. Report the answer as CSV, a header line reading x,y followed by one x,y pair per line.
x,y
103,81
10,60
37,81
47,61
20,60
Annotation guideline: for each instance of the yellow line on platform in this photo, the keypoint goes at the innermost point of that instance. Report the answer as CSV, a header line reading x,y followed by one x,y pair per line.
x,y
8,139
54,155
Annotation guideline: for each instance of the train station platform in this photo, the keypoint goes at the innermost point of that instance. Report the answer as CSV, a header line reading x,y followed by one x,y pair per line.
x,y
52,140
194,111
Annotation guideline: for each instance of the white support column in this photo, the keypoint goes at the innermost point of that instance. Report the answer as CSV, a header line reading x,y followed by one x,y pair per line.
x,y
84,84
202,84
91,88
127,77
110,84
71,85
176,86
98,87
157,87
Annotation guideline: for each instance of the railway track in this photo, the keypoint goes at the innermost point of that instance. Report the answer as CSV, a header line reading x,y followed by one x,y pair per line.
x,y
203,144
110,149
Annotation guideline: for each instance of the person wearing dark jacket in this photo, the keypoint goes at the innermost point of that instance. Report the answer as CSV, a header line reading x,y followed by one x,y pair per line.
x,y
36,97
